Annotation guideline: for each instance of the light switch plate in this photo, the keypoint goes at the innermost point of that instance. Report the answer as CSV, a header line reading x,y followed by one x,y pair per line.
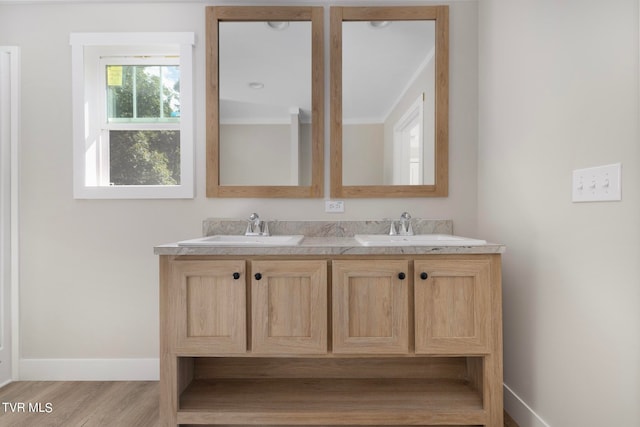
x,y
597,184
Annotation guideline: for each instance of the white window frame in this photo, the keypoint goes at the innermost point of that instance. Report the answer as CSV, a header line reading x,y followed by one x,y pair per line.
x,y
401,149
88,86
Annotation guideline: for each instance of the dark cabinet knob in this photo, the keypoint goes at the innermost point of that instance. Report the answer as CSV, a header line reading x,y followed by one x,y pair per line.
x,y
258,276
401,276
236,276
424,276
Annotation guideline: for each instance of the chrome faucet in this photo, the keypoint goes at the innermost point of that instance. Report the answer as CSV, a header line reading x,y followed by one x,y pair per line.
x,y
402,227
256,227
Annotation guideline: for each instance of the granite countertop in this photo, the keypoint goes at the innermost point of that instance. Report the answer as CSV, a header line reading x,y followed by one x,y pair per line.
x,y
326,246
326,238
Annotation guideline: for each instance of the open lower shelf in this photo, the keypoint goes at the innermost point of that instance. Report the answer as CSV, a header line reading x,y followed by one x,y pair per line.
x,y
331,401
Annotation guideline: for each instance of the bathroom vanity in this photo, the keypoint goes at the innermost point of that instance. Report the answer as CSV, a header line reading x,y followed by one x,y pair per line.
x,y
331,332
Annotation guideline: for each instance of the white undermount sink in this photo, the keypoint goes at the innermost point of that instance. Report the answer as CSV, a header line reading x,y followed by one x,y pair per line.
x,y
417,240
240,240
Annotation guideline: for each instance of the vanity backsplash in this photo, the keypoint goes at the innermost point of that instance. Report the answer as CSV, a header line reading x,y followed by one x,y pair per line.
x,y
212,226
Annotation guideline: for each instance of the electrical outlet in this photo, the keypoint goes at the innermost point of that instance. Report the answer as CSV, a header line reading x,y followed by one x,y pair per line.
x,y
597,184
334,206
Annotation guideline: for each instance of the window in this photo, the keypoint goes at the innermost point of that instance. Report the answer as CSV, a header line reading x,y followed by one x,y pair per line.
x,y
133,115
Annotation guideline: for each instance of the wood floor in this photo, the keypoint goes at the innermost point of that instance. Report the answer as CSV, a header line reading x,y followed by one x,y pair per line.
x,y
508,421
86,404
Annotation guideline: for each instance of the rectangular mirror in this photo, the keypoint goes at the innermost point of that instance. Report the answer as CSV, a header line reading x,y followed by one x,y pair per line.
x,y
389,101
264,101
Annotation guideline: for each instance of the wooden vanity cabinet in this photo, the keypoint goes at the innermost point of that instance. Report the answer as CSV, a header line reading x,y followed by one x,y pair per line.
x,y
452,306
208,306
289,307
331,340
370,306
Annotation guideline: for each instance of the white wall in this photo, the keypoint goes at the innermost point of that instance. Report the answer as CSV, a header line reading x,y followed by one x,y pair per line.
x,y
258,154
363,154
89,280
559,91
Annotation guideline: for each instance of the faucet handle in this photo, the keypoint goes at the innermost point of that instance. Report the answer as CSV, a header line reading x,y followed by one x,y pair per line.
x,y
249,229
392,228
409,230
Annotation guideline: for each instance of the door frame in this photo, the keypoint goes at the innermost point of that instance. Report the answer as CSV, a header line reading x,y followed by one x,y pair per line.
x,y
9,217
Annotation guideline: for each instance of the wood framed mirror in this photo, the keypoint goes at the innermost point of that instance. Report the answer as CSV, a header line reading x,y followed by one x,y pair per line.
x,y
265,101
389,101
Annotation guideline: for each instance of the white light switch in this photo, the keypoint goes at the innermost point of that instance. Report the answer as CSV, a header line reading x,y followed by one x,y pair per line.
x,y
597,184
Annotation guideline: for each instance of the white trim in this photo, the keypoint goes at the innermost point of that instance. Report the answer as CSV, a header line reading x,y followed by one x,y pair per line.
x,y
129,39
80,41
89,369
135,192
15,215
520,411
401,148
14,53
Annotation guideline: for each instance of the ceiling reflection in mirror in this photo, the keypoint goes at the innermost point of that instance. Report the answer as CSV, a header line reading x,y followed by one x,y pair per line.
x,y
265,102
388,107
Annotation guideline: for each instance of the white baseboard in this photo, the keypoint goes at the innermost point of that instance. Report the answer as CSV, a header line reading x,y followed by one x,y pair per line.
x,y
520,411
89,369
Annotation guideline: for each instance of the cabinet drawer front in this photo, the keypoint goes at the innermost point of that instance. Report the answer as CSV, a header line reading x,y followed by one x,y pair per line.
x,y
452,306
370,307
210,298
289,307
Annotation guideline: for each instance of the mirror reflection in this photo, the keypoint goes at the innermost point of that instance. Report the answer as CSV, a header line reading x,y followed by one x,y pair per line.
x,y
388,102
265,103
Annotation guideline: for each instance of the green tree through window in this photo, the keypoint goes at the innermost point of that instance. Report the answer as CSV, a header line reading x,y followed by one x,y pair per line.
x,y
139,95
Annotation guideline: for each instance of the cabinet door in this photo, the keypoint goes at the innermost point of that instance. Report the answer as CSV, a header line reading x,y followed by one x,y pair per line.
x,y
452,306
370,307
289,307
209,302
